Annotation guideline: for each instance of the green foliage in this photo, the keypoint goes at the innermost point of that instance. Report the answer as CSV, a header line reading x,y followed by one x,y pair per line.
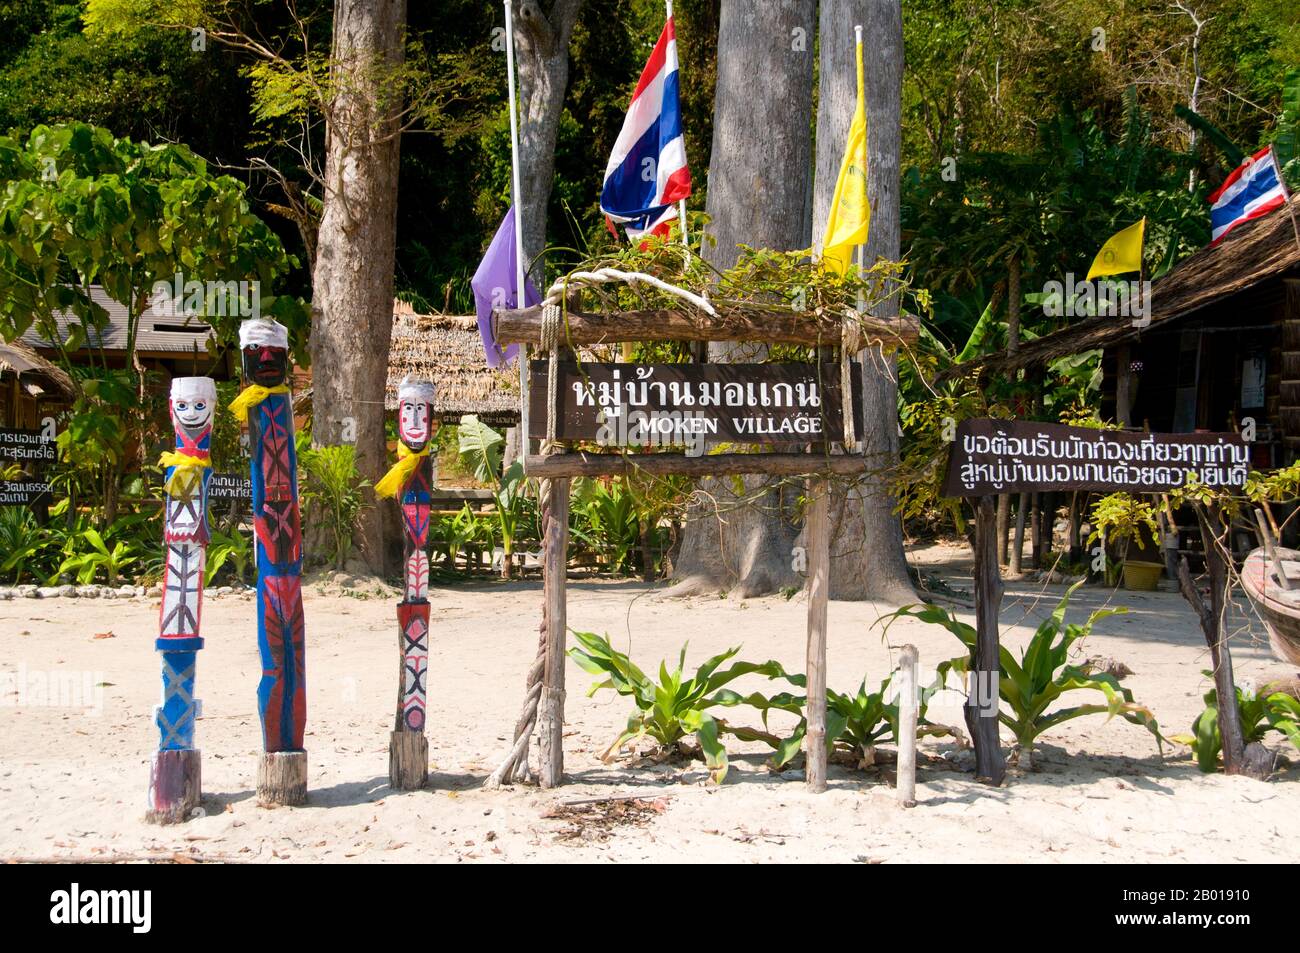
x,y
235,548
604,517
22,540
83,207
480,453
1029,686
85,564
1259,714
332,496
672,708
1119,518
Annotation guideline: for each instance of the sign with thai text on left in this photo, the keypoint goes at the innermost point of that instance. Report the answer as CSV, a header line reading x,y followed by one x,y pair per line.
x,y
1012,456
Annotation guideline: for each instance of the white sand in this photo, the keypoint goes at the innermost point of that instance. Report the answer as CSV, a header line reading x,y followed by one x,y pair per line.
x,y
72,784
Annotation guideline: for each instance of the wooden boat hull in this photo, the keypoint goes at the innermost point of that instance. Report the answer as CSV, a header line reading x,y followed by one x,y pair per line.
x,y
1278,607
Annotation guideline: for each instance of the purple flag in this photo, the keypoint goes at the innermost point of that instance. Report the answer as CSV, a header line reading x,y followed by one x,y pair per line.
x,y
494,287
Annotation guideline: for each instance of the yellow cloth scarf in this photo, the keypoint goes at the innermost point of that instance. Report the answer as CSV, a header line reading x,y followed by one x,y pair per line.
x,y
251,396
180,484
400,472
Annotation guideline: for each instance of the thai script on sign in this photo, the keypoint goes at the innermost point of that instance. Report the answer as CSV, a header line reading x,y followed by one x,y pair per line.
x,y
1001,456
27,445
640,404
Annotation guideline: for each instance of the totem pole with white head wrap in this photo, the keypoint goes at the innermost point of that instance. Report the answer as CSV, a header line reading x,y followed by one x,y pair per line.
x,y
411,481
175,784
267,406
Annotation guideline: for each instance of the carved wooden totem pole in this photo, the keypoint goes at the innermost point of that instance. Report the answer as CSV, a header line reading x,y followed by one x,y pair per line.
x,y
175,784
411,480
267,406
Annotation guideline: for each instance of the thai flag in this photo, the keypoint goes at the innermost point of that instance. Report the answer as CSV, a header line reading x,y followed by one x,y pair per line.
x,y
1253,189
647,171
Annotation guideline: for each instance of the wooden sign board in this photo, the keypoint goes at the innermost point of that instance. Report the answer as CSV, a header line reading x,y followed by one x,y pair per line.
x,y
660,404
22,492
1010,456
230,486
27,445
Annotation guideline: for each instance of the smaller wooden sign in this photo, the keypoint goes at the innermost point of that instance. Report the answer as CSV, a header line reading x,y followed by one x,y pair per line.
x,y
230,486
1010,456
27,445
631,405
22,492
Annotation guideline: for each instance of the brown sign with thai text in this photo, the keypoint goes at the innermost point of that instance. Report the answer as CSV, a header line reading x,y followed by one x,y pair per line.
x,y
1011,456
662,404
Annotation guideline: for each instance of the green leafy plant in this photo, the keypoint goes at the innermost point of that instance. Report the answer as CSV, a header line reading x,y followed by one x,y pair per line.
x,y
21,539
455,531
234,547
1119,519
605,518
674,707
85,564
480,453
1259,715
1030,685
332,496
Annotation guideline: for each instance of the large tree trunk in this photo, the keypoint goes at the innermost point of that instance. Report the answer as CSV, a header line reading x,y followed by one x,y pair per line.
x,y
542,59
352,282
867,560
758,195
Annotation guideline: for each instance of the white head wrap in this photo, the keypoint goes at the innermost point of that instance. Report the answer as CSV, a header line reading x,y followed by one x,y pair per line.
x,y
263,332
194,388
415,389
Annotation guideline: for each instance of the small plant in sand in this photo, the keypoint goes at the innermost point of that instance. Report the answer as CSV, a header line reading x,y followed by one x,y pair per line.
x,y
1259,715
855,724
674,708
1029,686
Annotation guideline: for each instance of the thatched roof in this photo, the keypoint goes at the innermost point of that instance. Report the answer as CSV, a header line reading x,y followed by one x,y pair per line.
x,y
37,376
1253,252
446,350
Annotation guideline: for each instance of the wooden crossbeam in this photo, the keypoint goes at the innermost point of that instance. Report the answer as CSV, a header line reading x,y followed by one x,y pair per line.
x,y
735,323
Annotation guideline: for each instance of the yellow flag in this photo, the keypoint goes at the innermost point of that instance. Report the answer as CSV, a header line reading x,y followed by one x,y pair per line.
x,y
850,216
1121,253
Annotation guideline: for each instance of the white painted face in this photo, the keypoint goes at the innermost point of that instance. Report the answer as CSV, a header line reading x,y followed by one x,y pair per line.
x,y
413,423
192,413
193,401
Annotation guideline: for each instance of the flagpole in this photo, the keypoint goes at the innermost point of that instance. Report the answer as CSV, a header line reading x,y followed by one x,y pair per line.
x,y
862,248
519,218
1286,194
681,203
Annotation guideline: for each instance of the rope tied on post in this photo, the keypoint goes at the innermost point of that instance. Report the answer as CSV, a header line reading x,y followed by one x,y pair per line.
x,y
552,327
557,292
851,342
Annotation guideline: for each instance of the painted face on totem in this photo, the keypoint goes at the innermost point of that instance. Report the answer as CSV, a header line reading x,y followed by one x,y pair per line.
x,y
193,401
265,364
413,422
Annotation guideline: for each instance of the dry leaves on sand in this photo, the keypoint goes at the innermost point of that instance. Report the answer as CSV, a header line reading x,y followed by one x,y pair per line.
x,y
599,818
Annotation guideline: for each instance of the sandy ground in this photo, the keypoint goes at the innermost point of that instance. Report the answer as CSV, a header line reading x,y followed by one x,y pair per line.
x,y
73,778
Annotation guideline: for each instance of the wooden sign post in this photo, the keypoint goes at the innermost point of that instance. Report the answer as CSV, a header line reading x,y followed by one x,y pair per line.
x,y
989,457
798,407
411,480
175,784
267,405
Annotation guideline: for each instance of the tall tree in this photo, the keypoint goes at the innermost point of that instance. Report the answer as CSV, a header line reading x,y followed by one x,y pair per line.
x,y
758,194
352,305
867,559
542,50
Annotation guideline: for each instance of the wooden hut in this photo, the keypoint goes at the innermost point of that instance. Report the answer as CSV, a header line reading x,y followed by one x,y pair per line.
x,y
446,349
30,387
1222,345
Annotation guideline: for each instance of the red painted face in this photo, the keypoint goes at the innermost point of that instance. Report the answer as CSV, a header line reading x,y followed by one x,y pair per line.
x,y
265,365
